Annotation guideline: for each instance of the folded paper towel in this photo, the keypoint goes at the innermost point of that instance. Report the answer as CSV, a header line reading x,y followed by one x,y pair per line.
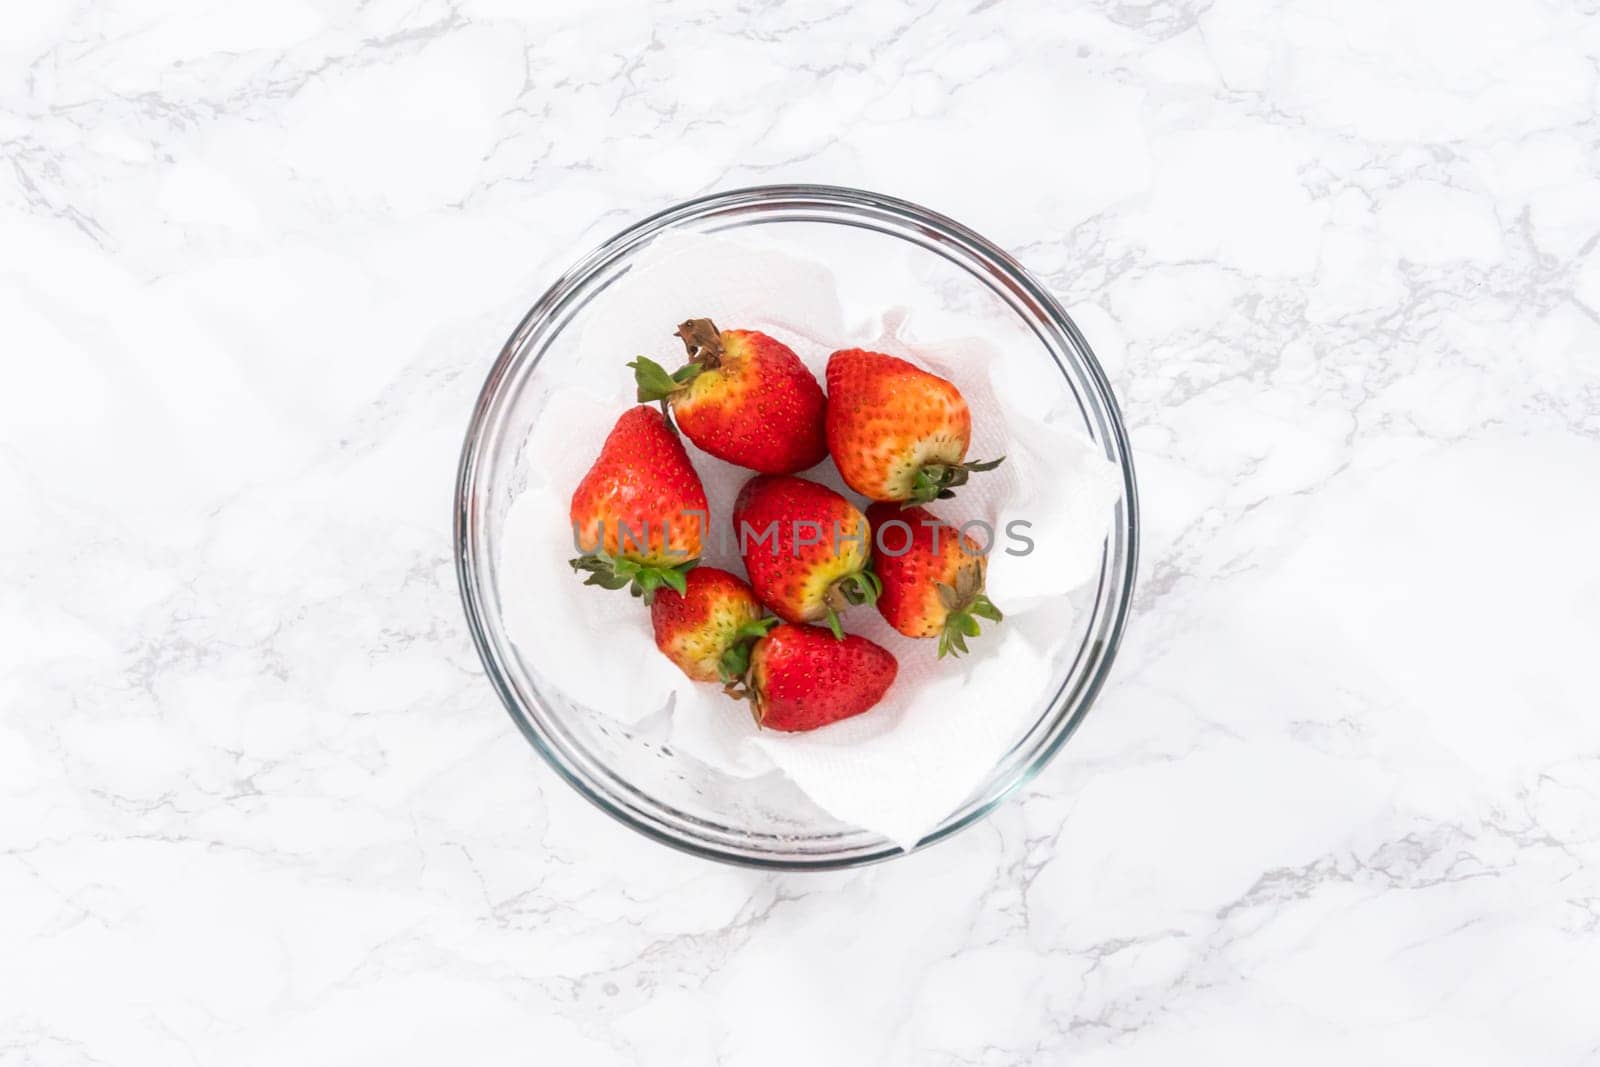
x,y
904,766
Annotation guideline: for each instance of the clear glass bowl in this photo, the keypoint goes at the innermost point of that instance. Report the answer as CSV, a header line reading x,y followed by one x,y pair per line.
x,y
641,780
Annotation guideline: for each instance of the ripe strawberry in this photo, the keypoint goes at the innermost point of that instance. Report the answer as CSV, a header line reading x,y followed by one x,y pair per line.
x,y
804,548
934,585
708,628
897,432
742,397
802,677
638,514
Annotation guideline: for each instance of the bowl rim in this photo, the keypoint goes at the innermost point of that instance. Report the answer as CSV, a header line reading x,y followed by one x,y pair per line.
x,y
1044,303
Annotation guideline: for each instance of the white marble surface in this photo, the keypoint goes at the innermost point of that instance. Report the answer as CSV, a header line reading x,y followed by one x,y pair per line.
x,y
1340,803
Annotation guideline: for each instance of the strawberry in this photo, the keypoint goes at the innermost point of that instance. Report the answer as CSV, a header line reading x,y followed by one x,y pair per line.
x,y
742,397
638,514
932,576
897,432
804,548
707,629
803,677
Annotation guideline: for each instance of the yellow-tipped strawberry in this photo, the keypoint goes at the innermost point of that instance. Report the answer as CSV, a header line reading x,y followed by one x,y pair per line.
x,y
897,432
804,548
708,628
932,576
638,515
743,397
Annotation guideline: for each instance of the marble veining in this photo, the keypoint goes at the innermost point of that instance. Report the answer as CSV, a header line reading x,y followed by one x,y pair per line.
x,y
1340,802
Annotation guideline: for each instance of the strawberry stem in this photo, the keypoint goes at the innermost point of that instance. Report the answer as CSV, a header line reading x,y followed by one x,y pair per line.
x,y
703,341
936,481
861,587
962,620
735,669
743,690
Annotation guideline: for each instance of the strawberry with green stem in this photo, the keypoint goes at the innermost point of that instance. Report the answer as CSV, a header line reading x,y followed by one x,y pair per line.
x,y
932,576
743,396
639,513
897,432
805,549
707,629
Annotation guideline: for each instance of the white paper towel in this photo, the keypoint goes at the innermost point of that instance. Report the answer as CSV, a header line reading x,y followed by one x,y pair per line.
x,y
901,768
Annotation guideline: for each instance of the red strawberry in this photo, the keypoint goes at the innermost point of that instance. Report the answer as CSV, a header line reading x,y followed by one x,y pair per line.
x,y
638,514
707,629
897,432
742,397
932,576
804,547
802,677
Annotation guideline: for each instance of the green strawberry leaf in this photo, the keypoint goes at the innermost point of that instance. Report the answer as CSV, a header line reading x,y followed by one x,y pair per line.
x,y
653,380
755,628
984,607
862,587
833,624
734,663
641,579
675,579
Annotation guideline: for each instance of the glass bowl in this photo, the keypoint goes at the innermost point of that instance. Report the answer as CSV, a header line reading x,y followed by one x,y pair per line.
x,y
638,778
